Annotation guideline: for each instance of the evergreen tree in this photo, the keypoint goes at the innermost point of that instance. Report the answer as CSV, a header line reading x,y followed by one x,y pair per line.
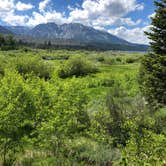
x,y
2,40
158,29
153,68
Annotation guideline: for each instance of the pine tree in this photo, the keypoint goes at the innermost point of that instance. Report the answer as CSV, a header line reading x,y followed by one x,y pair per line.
x,y
158,29
153,68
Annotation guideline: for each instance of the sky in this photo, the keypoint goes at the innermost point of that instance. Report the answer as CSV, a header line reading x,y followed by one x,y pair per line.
x,y
127,19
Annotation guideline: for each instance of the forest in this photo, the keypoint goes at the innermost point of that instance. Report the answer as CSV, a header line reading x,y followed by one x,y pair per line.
x,y
80,107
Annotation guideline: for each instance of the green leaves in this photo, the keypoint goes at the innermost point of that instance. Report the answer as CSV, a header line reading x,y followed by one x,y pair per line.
x,y
76,66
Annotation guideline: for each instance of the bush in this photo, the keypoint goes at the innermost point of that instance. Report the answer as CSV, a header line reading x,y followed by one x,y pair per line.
x,y
1,71
110,61
119,105
130,60
76,66
24,105
28,65
108,82
146,148
100,59
92,153
118,59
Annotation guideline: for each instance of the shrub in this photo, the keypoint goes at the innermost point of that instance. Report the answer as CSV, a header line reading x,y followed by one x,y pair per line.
x,y
130,60
76,66
146,148
92,152
108,82
100,59
118,59
1,71
110,61
28,65
118,104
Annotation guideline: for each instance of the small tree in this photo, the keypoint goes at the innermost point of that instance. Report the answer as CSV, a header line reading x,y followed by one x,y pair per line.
x,y
153,68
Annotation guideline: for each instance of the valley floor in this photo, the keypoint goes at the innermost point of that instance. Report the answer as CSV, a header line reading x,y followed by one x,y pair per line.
x,y
60,107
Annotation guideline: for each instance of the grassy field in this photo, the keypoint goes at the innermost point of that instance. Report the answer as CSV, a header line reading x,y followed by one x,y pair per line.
x,y
113,66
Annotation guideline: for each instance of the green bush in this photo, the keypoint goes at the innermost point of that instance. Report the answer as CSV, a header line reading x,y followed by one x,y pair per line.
x,y
118,59
77,66
145,148
110,61
92,153
131,60
33,65
1,71
100,59
108,82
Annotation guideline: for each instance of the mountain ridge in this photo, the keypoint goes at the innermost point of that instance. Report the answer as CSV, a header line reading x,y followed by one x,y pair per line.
x,y
76,32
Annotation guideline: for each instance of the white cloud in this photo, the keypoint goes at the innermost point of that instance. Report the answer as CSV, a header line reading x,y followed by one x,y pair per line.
x,y
14,19
70,8
96,13
23,6
43,5
53,16
7,13
105,12
135,35
6,5
115,21
99,28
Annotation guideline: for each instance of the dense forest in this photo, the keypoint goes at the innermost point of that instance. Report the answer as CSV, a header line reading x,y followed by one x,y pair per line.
x,y
80,107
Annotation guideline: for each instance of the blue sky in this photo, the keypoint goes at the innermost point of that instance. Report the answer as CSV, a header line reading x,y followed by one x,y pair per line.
x,y
127,19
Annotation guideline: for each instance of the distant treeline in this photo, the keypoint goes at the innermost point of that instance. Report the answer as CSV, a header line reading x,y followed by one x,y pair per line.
x,y
9,42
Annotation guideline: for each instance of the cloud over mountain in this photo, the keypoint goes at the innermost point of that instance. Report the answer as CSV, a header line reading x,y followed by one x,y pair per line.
x,y
100,14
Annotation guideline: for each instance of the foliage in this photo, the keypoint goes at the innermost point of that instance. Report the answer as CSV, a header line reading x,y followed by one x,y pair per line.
x,y
153,68
158,29
92,153
27,65
160,119
23,108
7,42
150,150
100,119
119,105
76,66
153,79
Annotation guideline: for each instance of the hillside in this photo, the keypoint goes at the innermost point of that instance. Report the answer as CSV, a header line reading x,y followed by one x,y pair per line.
x,y
4,31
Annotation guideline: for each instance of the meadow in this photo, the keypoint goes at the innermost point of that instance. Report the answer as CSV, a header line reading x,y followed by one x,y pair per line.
x,y
60,107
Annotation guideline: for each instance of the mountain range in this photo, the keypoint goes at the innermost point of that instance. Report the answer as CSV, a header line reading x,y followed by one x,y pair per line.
x,y
71,34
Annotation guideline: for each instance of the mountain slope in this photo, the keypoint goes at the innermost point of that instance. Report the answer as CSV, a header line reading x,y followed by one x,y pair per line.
x,y
18,30
76,32
4,31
